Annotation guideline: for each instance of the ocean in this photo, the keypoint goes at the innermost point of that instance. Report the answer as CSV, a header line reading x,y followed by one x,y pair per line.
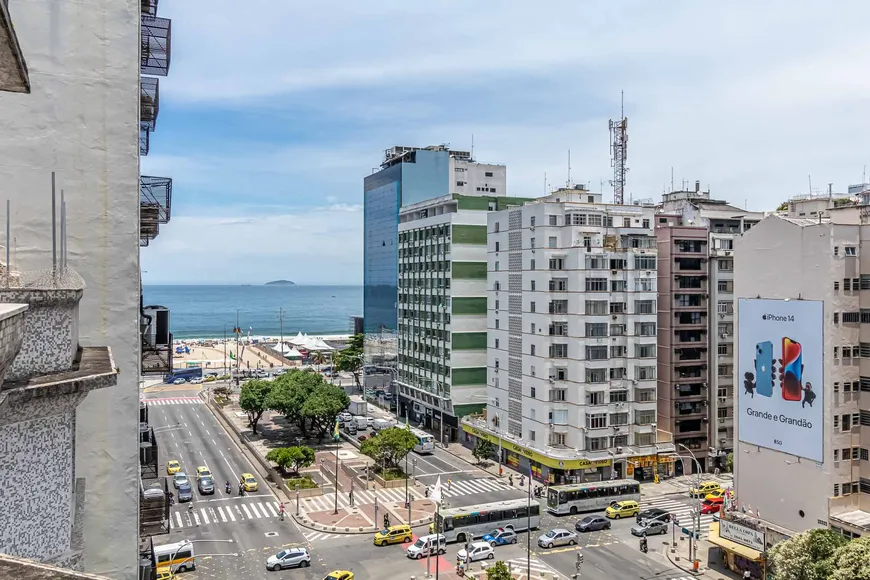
x,y
202,311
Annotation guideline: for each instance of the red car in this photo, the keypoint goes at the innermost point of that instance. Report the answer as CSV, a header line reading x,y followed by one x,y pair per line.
x,y
711,506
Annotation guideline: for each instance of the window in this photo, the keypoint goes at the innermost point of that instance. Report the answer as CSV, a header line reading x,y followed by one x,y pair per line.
x,y
488,174
617,351
596,375
596,352
496,265
532,350
496,304
460,183
596,263
596,421
596,307
850,251
722,285
558,307
560,374
618,419
851,317
617,373
644,373
617,286
532,221
836,318
531,306
557,263
532,264
596,443
617,307
558,351
617,330
497,246
645,329
532,243
644,263
722,349
559,329
847,283
496,323
596,329
596,284
552,220
836,285
726,265
559,285
496,343
596,398
551,241
645,350
619,396
531,435
644,417
644,306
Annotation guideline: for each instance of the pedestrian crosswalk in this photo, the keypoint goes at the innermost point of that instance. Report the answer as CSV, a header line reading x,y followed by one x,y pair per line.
x,y
173,401
683,513
320,536
203,515
520,565
397,494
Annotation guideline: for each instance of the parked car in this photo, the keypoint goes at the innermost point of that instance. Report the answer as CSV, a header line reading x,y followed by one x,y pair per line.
x,y
196,381
653,514
592,523
500,537
477,551
557,537
185,492
649,528
289,558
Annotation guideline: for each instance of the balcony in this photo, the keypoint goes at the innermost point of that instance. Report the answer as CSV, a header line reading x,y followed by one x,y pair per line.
x,y
689,410
155,201
691,285
690,320
695,265
144,139
690,392
156,52
14,77
689,248
690,337
149,7
156,340
689,427
149,101
148,462
690,356
154,508
690,302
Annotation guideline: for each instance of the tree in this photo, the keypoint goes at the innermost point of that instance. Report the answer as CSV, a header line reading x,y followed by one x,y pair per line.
x,y
498,571
350,359
806,556
322,406
390,446
483,449
851,561
318,358
292,458
729,463
289,393
252,400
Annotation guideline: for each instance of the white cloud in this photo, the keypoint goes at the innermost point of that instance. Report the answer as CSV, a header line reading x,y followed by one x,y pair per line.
x,y
309,247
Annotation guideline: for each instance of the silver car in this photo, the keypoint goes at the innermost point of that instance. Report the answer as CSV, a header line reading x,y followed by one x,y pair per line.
x,y
649,528
289,558
557,537
180,479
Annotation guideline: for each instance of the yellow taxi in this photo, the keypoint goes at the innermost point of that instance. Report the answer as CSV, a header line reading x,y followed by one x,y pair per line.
x,y
704,489
172,467
248,482
716,495
393,535
622,509
202,471
339,575
163,573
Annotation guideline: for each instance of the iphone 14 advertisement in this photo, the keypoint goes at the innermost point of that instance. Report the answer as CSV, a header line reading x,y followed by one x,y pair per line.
x,y
764,368
792,370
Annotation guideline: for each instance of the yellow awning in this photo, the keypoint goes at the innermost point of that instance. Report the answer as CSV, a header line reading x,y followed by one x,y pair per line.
x,y
740,549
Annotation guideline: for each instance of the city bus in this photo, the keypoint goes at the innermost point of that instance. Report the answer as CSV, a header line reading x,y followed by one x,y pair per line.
x,y
583,497
176,557
425,441
186,374
475,521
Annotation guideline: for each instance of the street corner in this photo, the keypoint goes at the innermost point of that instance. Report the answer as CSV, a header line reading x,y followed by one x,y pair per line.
x,y
347,520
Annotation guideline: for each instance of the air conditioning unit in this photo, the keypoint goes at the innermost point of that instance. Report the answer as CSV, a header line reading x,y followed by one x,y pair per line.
x,y
552,380
727,252
532,228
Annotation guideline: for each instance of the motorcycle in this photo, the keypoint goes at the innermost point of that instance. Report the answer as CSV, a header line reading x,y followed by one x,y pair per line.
x,y
643,546
229,488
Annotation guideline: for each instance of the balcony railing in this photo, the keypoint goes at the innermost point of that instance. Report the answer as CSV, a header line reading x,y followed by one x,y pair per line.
x,y
148,461
157,191
144,138
149,101
154,508
156,46
13,68
149,7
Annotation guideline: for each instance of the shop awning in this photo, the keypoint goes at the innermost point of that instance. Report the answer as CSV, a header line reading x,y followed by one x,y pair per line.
x,y
748,553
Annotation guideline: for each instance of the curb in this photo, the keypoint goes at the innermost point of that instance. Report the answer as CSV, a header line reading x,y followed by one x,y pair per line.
x,y
305,523
699,572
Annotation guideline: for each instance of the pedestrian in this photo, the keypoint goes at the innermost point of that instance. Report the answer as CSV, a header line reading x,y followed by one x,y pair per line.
x,y
449,481
386,521
511,479
350,497
281,510
747,575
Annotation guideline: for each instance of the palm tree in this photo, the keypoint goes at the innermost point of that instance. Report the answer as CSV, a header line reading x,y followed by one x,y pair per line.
x,y
317,358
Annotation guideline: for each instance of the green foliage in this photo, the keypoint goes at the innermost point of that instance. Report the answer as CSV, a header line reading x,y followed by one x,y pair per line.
x,y
483,449
291,458
806,556
252,400
350,360
851,561
305,399
498,571
729,463
304,482
782,207
389,446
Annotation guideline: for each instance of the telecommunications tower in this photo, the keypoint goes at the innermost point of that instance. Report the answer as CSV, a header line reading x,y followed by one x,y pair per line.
x,y
619,152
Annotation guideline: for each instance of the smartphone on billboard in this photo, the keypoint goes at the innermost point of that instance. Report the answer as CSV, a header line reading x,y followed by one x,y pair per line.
x,y
764,368
792,370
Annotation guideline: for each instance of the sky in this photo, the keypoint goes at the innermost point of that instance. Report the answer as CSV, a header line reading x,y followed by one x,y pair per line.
x,y
274,112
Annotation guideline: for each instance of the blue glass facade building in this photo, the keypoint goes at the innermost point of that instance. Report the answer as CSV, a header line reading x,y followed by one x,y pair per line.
x,y
417,176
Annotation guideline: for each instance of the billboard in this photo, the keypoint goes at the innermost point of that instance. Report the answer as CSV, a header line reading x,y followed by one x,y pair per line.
x,y
742,535
780,361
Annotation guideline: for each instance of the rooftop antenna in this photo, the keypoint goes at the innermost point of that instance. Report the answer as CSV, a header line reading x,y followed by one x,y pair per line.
x,y
472,147
810,179
672,177
545,183
619,151
569,169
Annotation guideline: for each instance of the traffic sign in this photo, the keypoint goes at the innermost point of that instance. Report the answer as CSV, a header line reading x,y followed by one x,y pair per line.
x,y
689,533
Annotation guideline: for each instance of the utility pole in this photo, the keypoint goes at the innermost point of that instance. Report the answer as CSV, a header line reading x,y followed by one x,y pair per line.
x,y
225,349
238,331
281,340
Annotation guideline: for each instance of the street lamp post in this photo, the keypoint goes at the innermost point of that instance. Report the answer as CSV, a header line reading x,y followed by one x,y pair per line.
x,y
184,543
177,566
224,369
696,516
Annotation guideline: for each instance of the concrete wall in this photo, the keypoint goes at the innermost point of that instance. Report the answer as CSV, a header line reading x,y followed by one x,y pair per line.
x,y
81,120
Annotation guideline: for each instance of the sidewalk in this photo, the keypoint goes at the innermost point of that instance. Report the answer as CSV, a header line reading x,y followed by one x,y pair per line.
x,y
681,559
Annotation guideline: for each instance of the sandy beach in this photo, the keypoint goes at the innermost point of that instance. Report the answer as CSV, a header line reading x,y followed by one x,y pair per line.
x,y
211,354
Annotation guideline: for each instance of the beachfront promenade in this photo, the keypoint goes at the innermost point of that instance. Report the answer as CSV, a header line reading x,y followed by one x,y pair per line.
x,y
253,356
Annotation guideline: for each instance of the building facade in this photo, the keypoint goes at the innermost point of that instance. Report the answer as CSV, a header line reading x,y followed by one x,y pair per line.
x,y
807,259
83,121
408,175
708,401
442,309
571,354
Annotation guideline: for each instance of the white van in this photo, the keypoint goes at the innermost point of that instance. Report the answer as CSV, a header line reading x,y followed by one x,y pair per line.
x,y
425,546
380,424
360,422
179,557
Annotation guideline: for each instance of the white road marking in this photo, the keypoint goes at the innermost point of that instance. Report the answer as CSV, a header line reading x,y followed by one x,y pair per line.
x,y
247,513
254,509
205,517
230,514
178,519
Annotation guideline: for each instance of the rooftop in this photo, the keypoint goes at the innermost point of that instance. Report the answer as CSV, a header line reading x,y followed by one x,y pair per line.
x,y
13,69
21,569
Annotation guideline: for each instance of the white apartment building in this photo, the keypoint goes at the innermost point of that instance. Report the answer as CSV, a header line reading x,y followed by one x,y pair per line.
x,y
815,258
571,353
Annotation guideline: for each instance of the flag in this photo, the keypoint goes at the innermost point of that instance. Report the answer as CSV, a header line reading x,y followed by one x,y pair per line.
x,y
335,434
436,492
408,427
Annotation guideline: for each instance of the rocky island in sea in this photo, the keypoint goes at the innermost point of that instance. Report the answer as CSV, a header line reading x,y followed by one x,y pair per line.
x,y
280,283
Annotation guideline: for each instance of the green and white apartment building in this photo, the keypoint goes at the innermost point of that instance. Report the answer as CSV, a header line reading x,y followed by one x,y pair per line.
x,y
442,309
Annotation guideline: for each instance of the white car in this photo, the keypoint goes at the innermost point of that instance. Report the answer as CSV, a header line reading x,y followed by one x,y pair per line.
x,y
289,558
179,381
477,551
196,381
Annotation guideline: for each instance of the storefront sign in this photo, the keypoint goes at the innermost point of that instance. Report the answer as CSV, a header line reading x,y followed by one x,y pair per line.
x,y
742,535
551,462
